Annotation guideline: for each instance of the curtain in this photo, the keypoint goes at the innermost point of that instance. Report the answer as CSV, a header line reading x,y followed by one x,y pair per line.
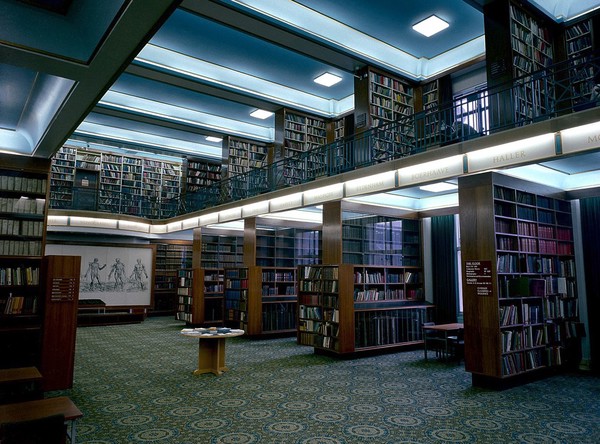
x,y
443,252
590,237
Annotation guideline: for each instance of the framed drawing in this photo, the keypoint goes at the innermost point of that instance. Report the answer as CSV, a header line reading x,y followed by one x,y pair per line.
x,y
117,275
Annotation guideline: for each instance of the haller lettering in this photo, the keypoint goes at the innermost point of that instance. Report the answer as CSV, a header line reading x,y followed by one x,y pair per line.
x,y
509,156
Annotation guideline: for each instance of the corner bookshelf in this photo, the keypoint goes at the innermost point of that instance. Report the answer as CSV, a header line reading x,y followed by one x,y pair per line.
x,y
262,300
387,103
527,320
347,308
62,177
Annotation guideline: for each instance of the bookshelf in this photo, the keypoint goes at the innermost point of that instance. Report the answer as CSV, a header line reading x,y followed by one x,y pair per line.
x,y
169,258
261,300
200,296
385,102
243,156
287,247
380,240
580,43
188,283
522,318
62,177
348,308
519,43
221,251
298,133
138,186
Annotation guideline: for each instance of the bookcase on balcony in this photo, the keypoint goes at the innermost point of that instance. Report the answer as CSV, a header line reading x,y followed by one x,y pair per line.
x,y
346,309
521,317
519,43
261,300
62,177
298,133
385,102
582,40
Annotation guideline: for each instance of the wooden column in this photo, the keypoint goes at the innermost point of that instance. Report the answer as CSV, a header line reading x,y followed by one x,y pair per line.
x,y
197,248
250,242
332,233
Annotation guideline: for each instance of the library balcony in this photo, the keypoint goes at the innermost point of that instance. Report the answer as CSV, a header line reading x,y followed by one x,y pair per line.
x,y
538,97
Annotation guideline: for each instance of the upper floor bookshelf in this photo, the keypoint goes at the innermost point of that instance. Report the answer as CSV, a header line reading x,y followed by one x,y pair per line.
x,y
387,102
201,173
297,133
581,40
138,186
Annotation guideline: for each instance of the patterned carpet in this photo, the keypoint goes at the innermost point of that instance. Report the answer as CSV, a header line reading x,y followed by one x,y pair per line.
x,y
134,384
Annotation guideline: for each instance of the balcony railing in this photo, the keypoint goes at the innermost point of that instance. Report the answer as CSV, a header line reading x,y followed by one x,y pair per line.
x,y
561,89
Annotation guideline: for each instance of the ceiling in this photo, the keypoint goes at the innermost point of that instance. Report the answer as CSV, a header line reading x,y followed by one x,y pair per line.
x,y
161,75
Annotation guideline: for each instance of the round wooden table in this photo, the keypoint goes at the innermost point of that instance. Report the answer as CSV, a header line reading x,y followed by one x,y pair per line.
x,y
211,348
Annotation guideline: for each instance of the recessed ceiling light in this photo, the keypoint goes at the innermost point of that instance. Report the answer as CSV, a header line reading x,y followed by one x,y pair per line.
x,y
261,114
431,25
214,139
328,79
439,187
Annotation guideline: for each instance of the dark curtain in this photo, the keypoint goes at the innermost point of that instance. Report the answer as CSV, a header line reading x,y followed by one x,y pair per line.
x,y
443,250
590,236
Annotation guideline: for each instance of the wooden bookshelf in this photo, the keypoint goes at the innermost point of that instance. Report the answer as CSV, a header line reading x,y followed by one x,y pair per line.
x,y
522,316
134,185
262,300
200,296
381,240
297,133
386,102
519,42
62,177
581,40
221,251
201,173
347,309
170,257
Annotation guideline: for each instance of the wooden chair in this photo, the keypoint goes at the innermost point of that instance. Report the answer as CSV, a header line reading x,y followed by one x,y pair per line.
x,y
433,341
46,430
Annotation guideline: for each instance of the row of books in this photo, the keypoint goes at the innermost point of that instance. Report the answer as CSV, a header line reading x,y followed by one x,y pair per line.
x,y
15,305
19,276
29,228
23,184
20,248
22,205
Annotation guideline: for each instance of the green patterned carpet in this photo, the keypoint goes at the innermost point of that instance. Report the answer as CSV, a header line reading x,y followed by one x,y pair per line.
x,y
134,384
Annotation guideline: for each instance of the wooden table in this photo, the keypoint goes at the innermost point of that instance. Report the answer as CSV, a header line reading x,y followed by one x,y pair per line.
x,y
445,329
211,350
40,408
20,384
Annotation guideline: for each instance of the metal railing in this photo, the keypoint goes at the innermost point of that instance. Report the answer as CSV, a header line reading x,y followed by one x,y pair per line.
x,y
560,89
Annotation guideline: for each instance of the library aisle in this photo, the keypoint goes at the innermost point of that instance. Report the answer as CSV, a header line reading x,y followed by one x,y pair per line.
x,y
133,384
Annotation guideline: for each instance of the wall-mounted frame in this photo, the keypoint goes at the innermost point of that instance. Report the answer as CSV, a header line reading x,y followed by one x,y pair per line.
x,y
119,275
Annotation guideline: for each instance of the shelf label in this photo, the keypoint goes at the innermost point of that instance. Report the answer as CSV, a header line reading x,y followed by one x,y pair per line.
x,y
513,153
479,275
431,171
581,138
365,185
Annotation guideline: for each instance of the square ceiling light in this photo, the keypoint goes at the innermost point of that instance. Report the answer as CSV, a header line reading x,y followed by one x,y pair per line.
x,y
261,114
214,139
328,79
439,187
430,26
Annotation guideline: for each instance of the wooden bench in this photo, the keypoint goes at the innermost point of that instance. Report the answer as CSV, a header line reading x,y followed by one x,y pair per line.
x,y
42,408
20,384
